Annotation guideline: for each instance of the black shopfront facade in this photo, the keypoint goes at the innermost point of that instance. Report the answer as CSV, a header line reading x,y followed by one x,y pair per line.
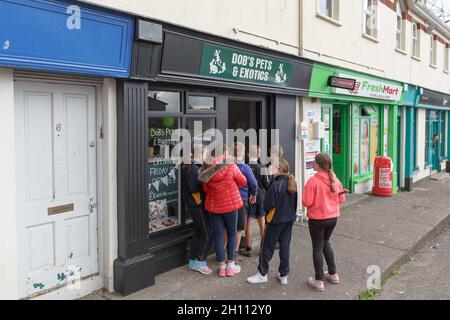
x,y
181,77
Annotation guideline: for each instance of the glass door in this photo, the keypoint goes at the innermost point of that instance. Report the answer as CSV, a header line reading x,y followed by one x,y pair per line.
x,y
340,147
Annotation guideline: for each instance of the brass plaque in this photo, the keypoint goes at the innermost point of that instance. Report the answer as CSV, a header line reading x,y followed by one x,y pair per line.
x,y
60,209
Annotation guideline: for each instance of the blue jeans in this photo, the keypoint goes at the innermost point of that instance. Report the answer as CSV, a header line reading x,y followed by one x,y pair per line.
x,y
276,233
221,222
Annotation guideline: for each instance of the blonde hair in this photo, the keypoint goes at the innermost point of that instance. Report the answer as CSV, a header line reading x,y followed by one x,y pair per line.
x,y
283,166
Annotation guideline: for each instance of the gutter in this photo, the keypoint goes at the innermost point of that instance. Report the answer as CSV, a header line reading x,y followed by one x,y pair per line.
x,y
427,15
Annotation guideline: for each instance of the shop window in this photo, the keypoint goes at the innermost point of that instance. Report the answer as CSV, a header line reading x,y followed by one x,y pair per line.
x,y
328,8
201,103
168,111
164,101
365,139
199,128
164,179
371,18
415,40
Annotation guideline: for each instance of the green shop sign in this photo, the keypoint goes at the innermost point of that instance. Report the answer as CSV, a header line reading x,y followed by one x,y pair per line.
x,y
225,63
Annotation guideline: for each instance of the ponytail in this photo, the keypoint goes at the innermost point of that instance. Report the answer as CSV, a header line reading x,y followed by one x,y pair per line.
x,y
283,166
331,175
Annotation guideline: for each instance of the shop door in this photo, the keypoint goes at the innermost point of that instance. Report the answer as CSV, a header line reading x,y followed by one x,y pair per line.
x,y
245,115
340,143
436,145
56,185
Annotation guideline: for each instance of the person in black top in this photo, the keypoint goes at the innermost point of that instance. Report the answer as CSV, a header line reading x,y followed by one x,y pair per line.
x,y
281,207
256,210
194,199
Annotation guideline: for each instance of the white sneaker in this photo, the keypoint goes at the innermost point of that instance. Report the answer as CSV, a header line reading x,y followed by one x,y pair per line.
x,y
283,280
257,278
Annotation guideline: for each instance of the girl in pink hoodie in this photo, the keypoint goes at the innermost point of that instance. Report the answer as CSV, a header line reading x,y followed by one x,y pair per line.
x,y
322,195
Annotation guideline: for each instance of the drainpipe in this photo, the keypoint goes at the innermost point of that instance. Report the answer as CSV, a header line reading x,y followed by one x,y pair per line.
x,y
300,26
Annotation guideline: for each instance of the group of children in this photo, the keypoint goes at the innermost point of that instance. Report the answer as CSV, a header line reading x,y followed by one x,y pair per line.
x,y
225,196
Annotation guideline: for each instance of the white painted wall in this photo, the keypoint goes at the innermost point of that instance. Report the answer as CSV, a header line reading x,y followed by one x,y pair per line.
x,y
345,46
8,225
421,123
261,22
108,181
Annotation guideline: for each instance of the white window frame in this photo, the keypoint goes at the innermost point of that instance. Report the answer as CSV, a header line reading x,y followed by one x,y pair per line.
x,y
433,51
373,15
334,12
415,49
400,33
446,58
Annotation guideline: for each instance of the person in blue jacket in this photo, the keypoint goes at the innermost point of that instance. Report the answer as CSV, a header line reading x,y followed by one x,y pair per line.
x,y
194,199
248,193
280,206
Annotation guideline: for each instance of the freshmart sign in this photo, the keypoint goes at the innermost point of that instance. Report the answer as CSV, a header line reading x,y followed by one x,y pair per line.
x,y
370,88
225,63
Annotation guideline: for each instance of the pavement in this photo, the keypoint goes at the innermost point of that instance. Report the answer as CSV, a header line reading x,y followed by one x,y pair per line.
x,y
372,231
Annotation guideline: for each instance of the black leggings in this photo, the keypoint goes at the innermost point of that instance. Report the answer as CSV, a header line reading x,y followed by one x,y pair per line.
x,y
320,231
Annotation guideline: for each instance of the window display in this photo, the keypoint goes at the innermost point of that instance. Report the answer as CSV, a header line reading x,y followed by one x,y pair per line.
x,y
365,146
163,175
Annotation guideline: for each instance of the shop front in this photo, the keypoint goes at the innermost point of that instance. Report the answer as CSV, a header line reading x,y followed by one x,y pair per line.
x,y
57,61
427,134
359,115
182,79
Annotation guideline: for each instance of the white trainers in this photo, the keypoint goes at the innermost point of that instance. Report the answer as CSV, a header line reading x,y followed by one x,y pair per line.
x,y
283,280
257,278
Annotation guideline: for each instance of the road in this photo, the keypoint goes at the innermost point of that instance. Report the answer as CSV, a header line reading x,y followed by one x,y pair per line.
x,y
425,277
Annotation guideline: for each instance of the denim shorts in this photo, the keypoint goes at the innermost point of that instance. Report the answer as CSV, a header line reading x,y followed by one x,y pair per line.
x,y
256,211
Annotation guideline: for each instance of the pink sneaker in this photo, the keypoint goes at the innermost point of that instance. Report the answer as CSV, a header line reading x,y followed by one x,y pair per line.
x,y
222,272
232,270
316,285
334,279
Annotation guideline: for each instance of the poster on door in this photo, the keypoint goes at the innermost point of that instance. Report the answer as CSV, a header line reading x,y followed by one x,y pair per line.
x,y
365,146
326,139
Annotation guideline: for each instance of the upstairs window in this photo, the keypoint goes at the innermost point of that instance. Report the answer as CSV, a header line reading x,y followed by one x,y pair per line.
x,y
371,18
328,8
446,58
400,35
415,40
433,43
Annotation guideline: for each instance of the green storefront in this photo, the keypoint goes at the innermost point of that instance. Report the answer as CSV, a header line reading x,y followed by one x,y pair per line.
x,y
360,112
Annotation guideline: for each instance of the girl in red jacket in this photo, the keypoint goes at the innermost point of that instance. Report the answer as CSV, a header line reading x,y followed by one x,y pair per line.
x,y
221,183
322,195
